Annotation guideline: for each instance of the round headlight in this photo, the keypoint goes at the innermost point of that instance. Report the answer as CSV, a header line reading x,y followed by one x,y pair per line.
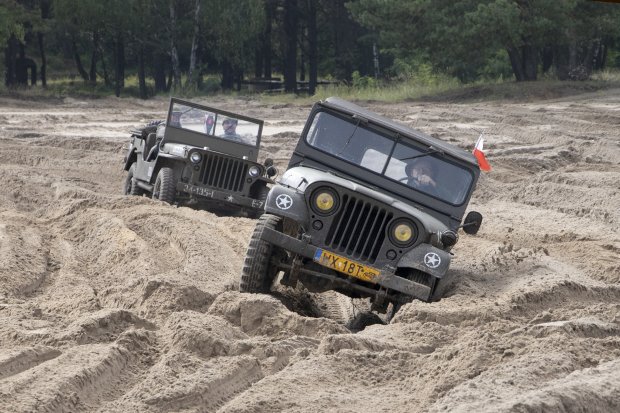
x,y
324,201
254,171
403,232
195,157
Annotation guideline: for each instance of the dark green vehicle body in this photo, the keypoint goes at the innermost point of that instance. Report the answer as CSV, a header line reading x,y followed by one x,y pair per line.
x,y
359,158
188,159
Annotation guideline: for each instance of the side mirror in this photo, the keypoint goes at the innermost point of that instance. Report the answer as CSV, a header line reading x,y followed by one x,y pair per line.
x,y
272,171
268,162
472,223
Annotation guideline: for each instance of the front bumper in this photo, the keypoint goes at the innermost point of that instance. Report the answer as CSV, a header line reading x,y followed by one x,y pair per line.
x,y
387,277
220,196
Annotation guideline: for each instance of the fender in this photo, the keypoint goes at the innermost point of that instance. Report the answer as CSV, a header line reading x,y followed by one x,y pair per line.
x,y
130,157
289,203
424,257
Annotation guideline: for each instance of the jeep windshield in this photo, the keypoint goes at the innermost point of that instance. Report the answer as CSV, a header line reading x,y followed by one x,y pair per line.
x,y
413,165
214,124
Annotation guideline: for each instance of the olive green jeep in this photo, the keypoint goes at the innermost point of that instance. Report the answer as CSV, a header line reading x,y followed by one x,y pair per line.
x,y
367,207
200,156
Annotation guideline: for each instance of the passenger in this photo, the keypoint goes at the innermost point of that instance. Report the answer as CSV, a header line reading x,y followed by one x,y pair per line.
x,y
175,119
208,124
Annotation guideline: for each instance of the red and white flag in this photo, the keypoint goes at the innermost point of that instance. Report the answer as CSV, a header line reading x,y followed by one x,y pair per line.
x,y
482,161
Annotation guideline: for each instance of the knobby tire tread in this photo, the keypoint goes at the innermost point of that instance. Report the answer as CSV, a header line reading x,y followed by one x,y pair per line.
x,y
167,185
257,274
130,184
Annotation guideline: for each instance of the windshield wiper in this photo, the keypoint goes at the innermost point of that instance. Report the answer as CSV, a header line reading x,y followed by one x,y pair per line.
x,y
351,136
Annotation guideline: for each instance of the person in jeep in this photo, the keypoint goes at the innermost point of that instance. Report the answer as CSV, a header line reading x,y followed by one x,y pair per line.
x,y
421,175
230,129
175,119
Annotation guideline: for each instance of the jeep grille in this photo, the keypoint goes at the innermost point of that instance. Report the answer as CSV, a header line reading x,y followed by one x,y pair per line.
x,y
358,230
223,173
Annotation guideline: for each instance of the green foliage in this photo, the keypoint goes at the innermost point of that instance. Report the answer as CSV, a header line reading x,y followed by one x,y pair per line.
x,y
359,81
13,17
464,37
230,26
424,44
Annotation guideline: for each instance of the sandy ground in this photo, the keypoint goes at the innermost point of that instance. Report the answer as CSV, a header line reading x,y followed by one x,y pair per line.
x,y
115,304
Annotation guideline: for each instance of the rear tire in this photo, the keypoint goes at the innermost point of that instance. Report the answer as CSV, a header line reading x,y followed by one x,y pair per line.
x,y
130,187
258,272
165,188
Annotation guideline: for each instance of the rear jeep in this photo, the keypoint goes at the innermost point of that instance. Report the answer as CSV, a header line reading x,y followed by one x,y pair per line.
x,y
346,217
200,156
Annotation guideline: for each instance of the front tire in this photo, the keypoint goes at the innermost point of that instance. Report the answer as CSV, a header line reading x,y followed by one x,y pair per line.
x,y
165,188
130,187
258,271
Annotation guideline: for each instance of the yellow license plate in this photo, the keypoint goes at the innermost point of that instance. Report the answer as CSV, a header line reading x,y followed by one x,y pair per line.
x,y
345,265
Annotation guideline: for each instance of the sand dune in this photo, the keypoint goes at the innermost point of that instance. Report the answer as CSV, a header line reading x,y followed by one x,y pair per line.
x,y
111,303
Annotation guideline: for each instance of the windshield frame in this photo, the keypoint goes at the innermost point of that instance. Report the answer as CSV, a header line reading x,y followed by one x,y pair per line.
x,y
219,116
396,139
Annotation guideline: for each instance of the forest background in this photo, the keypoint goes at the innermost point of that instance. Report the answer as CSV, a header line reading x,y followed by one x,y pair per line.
x,y
191,47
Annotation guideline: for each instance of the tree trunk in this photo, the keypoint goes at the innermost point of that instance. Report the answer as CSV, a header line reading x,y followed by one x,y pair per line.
x,y
174,56
119,66
159,72
547,58
302,65
312,48
169,82
238,78
524,61
141,73
269,13
530,62
106,77
290,32
45,6
516,63
22,64
258,57
78,60
43,60
93,60
10,58
600,57
342,52
191,83
227,76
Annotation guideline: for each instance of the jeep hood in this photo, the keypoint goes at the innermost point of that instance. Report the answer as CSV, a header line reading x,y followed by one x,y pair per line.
x,y
301,177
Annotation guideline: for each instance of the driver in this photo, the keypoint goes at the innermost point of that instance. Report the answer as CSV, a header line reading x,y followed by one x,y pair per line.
x,y
230,129
421,175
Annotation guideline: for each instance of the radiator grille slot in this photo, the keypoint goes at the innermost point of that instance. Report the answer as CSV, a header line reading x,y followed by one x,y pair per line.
x,y
223,173
358,230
